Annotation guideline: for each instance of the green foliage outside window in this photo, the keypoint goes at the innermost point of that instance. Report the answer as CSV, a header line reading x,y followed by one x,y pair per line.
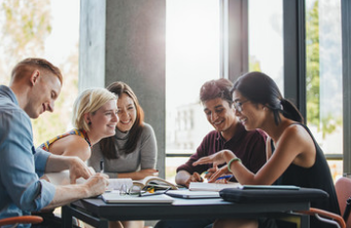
x,y
312,66
326,124
25,26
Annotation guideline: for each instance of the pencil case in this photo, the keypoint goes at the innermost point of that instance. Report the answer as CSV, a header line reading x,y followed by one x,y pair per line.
x,y
265,195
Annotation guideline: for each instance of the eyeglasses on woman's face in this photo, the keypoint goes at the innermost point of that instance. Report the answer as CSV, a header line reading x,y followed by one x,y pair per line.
x,y
238,105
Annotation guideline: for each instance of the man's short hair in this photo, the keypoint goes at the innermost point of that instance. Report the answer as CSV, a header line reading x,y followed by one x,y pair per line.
x,y
43,64
219,88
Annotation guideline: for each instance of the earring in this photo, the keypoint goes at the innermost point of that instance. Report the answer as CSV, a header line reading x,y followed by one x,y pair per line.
x,y
264,108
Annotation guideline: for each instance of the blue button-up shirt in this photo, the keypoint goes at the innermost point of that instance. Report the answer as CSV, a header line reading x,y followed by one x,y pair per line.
x,y
21,164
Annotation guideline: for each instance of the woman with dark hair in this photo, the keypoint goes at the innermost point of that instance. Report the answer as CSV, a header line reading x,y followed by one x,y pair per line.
x,y
132,151
228,133
294,157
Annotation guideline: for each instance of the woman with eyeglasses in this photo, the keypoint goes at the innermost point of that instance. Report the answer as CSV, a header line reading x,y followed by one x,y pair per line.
x,y
228,133
294,157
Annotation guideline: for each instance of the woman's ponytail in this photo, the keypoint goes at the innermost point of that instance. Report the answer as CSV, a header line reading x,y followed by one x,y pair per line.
x,y
290,111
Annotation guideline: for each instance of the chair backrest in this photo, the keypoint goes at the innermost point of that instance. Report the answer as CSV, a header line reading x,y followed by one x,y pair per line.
x,y
25,219
343,191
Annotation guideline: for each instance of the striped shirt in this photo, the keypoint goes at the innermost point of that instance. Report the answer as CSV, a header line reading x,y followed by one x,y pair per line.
x,y
81,133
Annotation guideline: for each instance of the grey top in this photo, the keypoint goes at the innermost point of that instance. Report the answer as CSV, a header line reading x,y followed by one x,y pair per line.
x,y
144,156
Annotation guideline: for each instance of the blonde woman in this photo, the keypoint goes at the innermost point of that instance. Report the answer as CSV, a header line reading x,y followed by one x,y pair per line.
x,y
94,118
132,151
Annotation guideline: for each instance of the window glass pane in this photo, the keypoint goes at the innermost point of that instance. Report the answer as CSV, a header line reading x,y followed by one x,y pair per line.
x,y
192,57
266,39
24,33
324,76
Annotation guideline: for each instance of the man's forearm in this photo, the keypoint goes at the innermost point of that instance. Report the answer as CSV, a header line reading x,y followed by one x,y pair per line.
x,y
56,163
65,194
62,198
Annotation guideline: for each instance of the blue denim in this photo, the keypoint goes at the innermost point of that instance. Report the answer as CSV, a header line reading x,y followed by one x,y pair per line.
x,y
21,164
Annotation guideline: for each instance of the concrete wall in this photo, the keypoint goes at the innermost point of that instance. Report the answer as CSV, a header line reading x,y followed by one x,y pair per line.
x,y
92,44
124,40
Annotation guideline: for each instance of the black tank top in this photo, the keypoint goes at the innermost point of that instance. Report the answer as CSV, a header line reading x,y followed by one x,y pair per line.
x,y
318,176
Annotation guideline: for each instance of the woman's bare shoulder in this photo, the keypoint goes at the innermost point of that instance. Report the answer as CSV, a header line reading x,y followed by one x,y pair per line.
x,y
77,146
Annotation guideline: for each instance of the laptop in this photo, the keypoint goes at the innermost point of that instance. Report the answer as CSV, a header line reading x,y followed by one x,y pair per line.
x,y
186,194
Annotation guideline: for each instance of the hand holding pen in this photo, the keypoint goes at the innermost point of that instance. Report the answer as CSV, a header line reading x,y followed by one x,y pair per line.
x,y
223,179
221,172
229,176
102,167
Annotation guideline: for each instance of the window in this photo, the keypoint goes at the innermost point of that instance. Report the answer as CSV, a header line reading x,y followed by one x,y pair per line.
x,y
192,58
324,79
40,29
266,39
307,36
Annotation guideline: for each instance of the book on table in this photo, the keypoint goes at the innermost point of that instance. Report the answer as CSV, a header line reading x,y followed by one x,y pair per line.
x,y
151,189
157,183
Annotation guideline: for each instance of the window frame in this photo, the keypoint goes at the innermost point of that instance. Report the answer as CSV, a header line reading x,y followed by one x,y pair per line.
x,y
346,57
294,58
234,57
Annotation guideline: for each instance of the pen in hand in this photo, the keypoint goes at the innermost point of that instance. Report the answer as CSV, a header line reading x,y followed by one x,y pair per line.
x,y
225,177
101,166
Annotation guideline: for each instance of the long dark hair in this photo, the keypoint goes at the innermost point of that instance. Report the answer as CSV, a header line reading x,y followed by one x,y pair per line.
x,y
261,89
107,145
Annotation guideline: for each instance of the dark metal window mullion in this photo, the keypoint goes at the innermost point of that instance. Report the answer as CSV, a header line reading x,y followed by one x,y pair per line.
x,y
295,53
346,62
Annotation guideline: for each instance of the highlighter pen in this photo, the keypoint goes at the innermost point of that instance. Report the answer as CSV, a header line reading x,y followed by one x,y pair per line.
x,y
101,166
225,177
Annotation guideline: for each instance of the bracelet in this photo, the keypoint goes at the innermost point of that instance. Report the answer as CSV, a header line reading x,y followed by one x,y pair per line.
x,y
231,161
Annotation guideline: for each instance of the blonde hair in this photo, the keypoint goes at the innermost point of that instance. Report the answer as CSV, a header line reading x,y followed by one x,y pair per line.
x,y
89,101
